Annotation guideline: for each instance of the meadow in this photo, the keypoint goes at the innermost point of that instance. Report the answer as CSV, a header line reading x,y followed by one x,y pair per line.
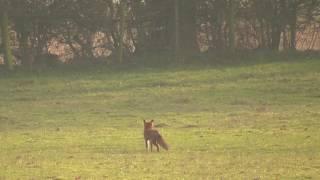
x,y
222,121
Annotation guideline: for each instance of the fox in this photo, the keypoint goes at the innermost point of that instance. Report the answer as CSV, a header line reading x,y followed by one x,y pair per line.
x,y
153,137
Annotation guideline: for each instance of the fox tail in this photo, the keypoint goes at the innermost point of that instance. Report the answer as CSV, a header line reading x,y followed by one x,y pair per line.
x,y
162,143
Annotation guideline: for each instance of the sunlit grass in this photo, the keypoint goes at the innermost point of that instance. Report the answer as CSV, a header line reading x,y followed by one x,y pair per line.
x,y
257,121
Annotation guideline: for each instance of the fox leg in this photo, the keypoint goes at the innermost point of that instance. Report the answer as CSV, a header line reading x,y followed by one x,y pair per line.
x,y
154,142
146,142
157,146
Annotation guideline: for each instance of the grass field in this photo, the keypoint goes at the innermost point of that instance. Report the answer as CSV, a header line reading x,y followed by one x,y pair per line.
x,y
250,121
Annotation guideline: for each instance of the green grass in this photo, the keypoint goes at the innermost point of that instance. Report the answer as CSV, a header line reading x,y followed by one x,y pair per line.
x,y
250,121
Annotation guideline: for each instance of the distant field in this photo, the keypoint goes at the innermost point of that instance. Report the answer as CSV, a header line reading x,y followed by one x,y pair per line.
x,y
252,121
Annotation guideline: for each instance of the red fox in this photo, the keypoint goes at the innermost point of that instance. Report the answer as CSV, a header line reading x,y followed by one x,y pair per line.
x,y
153,137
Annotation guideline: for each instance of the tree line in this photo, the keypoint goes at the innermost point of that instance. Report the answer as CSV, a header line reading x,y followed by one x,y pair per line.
x,y
83,30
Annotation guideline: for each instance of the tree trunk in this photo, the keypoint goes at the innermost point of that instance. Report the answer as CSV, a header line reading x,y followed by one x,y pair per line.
x,y
24,46
177,31
123,8
293,32
276,36
140,43
263,43
293,25
8,58
187,30
276,25
231,25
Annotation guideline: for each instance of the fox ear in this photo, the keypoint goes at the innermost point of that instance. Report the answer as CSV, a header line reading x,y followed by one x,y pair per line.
x,y
152,121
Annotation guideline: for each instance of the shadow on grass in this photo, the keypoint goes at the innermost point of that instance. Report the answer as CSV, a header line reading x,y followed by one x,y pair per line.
x,y
162,62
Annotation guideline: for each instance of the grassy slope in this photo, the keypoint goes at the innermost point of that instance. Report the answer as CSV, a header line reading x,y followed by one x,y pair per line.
x,y
245,122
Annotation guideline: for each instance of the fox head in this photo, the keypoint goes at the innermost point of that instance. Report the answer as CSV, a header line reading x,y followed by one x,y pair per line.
x,y
148,125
